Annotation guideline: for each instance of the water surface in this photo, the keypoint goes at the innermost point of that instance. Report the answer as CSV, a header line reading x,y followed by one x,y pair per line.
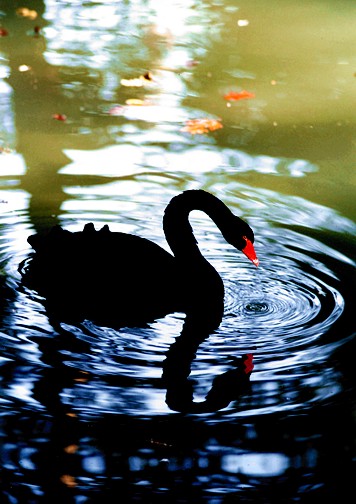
x,y
84,411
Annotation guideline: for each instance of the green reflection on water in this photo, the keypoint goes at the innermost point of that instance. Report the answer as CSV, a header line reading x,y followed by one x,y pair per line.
x,y
297,57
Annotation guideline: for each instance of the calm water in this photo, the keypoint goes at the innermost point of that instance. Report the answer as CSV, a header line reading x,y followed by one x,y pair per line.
x,y
84,414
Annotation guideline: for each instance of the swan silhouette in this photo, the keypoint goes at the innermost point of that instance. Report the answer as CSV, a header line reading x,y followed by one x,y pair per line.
x,y
121,279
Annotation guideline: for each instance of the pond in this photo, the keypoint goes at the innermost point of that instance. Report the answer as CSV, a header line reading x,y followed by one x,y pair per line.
x,y
109,110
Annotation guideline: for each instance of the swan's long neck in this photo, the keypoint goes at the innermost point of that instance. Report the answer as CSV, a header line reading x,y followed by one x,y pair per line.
x,y
177,229
202,286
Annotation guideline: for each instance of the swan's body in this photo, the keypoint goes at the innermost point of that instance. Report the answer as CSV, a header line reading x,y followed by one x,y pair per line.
x,y
124,279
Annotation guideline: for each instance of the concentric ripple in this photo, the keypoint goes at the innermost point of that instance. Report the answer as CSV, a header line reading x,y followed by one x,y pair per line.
x,y
297,307
290,302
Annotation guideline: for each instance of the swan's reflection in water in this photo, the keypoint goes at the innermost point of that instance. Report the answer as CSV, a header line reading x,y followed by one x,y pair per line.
x,y
51,452
57,456
177,367
57,448
64,355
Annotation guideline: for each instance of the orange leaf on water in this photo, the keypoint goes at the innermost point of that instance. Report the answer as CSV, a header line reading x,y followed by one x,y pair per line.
x,y
68,480
83,378
238,95
70,449
201,126
72,415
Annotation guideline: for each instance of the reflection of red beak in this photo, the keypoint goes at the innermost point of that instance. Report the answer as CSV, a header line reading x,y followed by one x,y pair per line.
x,y
248,363
249,252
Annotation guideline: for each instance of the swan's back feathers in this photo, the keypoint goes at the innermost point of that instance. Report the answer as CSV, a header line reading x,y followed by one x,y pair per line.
x,y
103,271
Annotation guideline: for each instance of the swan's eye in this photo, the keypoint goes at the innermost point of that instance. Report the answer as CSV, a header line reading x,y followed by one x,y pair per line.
x,y
250,252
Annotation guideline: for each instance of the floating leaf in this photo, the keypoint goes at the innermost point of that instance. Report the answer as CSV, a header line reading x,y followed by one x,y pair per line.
x,y
117,110
72,415
202,126
138,81
5,150
27,13
68,480
83,378
3,32
136,102
24,68
59,117
147,76
70,449
238,95
192,63
132,82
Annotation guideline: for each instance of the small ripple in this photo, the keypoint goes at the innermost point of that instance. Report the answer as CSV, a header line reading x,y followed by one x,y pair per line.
x,y
281,311
256,307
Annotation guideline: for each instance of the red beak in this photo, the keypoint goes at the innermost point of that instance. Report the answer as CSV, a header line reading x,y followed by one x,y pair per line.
x,y
249,252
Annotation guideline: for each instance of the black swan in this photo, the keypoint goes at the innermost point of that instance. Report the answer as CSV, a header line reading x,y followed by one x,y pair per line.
x,y
121,279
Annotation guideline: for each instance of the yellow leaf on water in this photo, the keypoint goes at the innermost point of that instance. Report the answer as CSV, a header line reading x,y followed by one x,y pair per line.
x,y
136,102
137,81
132,82
27,13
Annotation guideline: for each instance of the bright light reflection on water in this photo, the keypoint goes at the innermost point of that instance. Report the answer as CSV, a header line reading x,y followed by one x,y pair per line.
x,y
256,464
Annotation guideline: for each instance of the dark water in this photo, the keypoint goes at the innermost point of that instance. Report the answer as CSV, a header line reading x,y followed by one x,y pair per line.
x,y
85,415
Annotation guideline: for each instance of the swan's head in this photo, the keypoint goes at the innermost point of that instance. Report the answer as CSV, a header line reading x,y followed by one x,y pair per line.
x,y
240,235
